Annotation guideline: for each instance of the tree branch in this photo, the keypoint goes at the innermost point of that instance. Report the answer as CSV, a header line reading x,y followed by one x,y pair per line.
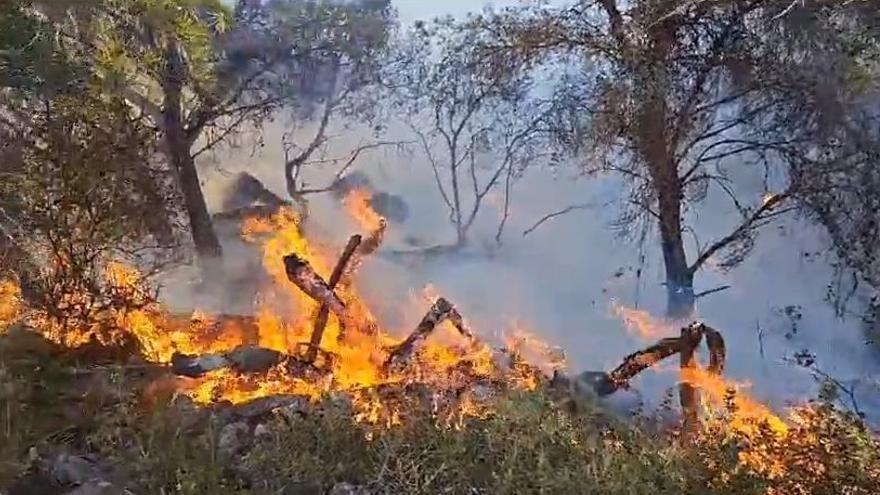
x,y
748,224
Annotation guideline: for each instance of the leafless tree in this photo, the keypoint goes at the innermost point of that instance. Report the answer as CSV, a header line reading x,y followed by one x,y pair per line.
x,y
474,123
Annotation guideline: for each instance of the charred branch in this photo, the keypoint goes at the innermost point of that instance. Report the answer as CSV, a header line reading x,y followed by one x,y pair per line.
x,y
686,345
301,273
324,311
441,311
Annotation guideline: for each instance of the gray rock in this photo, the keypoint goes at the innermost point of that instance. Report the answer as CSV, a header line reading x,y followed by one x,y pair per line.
x,y
68,469
262,432
196,366
284,404
234,438
348,489
251,359
97,488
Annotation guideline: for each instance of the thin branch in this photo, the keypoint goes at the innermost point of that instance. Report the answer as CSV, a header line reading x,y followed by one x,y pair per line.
x,y
559,213
711,291
748,224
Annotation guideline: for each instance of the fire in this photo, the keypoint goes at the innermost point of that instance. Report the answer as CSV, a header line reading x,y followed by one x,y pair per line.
x,y
717,392
10,303
353,358
357,204
641,322
525,344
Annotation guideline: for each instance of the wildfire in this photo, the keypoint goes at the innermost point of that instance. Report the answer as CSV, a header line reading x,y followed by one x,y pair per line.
x,y
357,204
354,358
10,303
641,322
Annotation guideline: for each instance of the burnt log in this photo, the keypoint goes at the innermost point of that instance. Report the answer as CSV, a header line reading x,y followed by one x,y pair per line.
x,y
688,394
196,366
687,343
373,241
441,311
252,359
301,273
324,311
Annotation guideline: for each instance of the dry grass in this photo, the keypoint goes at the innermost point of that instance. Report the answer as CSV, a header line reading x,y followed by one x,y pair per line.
x,y
528,446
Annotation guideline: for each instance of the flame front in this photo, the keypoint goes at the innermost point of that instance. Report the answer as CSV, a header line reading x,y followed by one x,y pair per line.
x,y
284,322
642,323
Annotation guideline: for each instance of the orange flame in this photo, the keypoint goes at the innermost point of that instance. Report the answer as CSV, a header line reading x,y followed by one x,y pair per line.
x,y
641,322
717,392
10,303
357,204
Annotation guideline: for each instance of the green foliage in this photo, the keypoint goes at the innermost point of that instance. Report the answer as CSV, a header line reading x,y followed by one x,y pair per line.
x,y
73,201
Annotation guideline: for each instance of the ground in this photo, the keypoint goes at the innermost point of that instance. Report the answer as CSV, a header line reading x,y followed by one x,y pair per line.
x,y
67,418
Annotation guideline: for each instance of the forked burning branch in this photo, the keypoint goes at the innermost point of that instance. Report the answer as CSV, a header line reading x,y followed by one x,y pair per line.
x,y
686,344
324,312
441,311
301,273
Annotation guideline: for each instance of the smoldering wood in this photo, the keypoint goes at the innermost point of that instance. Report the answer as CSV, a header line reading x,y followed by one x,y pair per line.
x,y
301,273
324,311
640,360
717,349
440,311
689,396
373,241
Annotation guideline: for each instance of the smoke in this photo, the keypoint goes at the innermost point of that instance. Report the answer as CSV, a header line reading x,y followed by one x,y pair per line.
x,y
562,280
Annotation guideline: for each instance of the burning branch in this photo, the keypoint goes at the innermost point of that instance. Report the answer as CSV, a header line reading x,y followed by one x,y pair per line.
x,y
321,321
441,311
301,273
685,345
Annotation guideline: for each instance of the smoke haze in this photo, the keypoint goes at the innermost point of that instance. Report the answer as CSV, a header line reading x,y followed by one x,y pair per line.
x,y
563,280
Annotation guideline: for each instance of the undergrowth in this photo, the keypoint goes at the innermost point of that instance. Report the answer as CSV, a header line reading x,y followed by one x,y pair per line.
x,y
529,445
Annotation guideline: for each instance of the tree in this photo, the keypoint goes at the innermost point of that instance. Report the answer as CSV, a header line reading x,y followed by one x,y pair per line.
x,y
72,205
473,122
674,96
201,72
344,65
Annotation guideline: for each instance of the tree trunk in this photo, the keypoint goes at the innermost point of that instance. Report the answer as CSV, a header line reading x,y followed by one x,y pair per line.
x,y
177,147
680,299
205,239
653,142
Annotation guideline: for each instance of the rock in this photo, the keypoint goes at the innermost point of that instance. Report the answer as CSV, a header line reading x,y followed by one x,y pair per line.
x,y
234,438
251,359
68,469
284,404
196,366
96,488
262,433
348,489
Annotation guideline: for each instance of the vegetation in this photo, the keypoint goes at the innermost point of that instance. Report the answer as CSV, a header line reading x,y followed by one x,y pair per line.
x,y
527,445
106,106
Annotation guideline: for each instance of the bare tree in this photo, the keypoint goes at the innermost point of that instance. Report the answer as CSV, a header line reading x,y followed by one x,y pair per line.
x,y
675,96
474,123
